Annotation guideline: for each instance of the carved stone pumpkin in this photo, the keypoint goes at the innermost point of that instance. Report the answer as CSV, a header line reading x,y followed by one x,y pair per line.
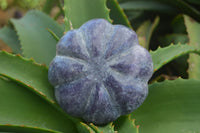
x,y
100,72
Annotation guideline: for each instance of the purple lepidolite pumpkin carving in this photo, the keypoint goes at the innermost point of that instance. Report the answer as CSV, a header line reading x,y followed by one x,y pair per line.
x,y
100,72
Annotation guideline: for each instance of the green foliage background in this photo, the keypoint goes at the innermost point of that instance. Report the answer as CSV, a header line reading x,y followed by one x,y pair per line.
x,y
169,29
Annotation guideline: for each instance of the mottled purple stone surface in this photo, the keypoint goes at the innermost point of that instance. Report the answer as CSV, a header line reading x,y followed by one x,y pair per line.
x,y
100,72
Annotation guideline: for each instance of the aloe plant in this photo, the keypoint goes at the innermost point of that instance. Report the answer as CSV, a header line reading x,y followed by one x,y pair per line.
x,y
28,103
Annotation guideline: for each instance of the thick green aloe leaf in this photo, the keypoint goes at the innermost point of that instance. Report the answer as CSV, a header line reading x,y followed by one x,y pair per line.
x,y
145,32
125,124
171,107
27,72
20,107
193,29
84,128
31,75
117,14
78,12
109,128
9,36
91,128
53,35
35,39
176,38
164,55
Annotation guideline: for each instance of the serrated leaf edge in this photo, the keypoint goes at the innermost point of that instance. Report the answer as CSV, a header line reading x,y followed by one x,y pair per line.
x,y
108,14
122,13
31,12
87,127
95,128
34,90
197,51
17,38
24,84
133,123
